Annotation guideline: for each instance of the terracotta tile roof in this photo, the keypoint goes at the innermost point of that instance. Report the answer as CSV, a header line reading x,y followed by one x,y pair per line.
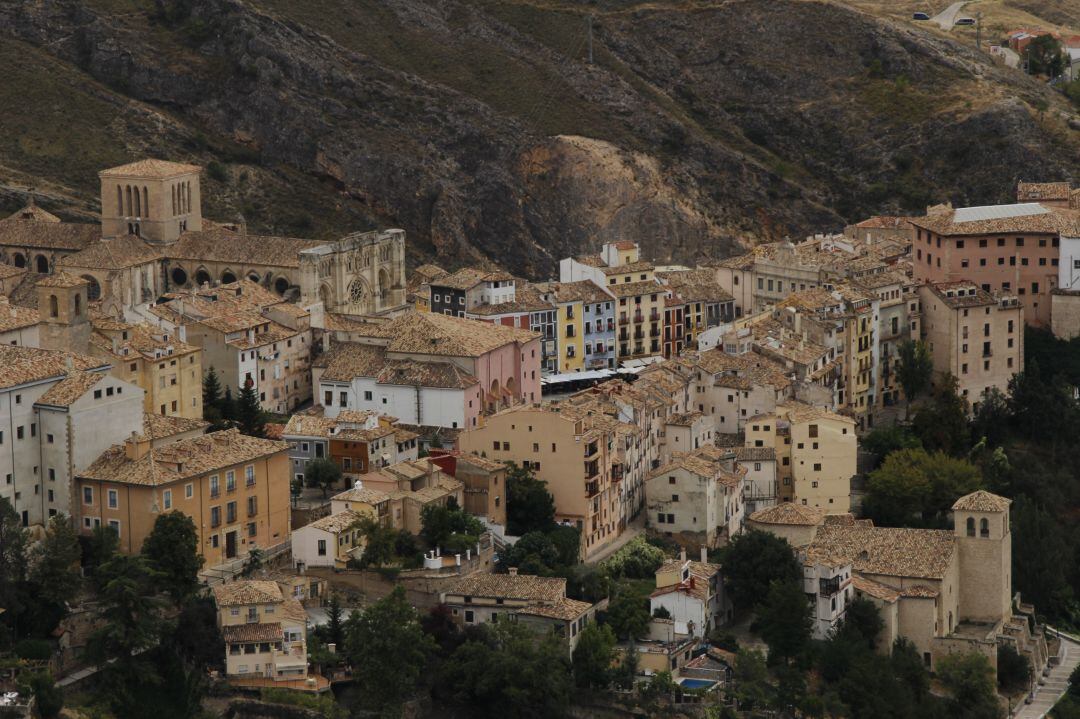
x,y
882,279
69,389
19,365
157,426
184,459
469,277
685,419
150,167
445,375
631,289
336,523
293,610
346,360
252,632
1039,219
33,212
144,340
883,222
920,591
625,245
1039,191
13,317
508,586
47,234
247,591
583,291
796,411
790,514
403,435
874,589
62,280
9,271
363,494
840,520
641,266
755,454
112,254
481,462
961,294
223,245
565,609
982,501
427,333
892,551
425,273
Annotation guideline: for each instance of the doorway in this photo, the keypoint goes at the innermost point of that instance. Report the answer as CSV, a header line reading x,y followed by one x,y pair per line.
x,y
230,545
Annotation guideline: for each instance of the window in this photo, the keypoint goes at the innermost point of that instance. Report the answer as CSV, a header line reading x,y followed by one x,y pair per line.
x,y
249,474
230,512
87,494
189,490
166,499
215,488
813,429
328,398
230,481
114,525
322,548
984,527
253,506
114,499
367,396
817,467
971,526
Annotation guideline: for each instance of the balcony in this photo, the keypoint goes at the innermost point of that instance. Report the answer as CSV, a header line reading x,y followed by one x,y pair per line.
x,y
654,316
654,332
639,334
829,587
591,448
638,317
592,488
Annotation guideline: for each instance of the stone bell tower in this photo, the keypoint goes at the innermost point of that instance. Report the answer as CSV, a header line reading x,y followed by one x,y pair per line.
x,y
983,536
65,322
152,199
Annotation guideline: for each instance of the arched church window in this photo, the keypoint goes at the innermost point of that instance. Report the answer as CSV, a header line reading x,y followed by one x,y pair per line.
x,y
971,527
984,527
54,306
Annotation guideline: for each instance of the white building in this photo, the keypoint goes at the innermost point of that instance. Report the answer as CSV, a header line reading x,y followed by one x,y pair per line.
x,y
691,593
58,412
827,582
698,496
328,542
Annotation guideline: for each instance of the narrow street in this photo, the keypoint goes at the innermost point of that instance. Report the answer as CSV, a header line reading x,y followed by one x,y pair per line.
x,y
636,527
1047,695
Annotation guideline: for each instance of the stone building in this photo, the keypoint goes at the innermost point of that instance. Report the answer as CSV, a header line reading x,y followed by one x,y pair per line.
x,y
697,496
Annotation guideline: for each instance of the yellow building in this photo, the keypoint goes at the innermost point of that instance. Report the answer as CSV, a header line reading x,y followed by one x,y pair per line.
x,y
169,370
815,451
570,449
234,487
569,323
639,318
265,631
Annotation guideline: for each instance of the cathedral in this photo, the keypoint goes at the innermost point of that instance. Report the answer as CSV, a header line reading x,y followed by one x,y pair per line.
x,y
153,240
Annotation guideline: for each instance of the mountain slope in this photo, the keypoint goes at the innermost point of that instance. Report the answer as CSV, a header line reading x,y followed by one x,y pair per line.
x,y
481,128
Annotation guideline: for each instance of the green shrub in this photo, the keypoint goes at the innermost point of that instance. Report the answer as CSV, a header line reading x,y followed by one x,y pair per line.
x,y
34,649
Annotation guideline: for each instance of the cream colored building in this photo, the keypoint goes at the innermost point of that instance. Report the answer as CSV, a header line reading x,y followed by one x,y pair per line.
x,y
816,452
328,542
18,325
265,632
697,497
973,335
566,447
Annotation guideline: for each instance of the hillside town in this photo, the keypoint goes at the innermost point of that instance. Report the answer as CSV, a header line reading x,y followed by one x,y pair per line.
x,y
307,472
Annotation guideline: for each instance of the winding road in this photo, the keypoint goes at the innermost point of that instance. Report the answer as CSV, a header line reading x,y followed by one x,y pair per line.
x,y
947,17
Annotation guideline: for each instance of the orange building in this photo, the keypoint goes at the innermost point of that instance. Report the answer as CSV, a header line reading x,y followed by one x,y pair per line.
x,y
234,487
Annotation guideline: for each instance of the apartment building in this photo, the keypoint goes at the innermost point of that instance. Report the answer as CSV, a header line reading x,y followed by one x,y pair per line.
x,y
973,335
816,451
234,487
248,335
484,483
697,497
463,291
586,324
899,321
705,303
357,442
569,448
733,388
265,631
1010,249
692,593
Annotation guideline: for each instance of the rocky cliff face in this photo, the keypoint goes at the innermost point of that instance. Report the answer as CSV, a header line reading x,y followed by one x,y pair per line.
x,y
481,129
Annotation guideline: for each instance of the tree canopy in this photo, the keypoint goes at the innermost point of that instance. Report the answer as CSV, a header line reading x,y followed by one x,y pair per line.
x,y
172,548
752,562
914,486
529,505
322,473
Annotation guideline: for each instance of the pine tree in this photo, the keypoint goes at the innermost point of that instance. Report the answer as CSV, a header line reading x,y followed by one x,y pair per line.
x,y
211,393
335,626
249,413
228,406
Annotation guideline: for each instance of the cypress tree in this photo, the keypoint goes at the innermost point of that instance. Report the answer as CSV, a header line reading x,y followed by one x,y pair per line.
x,y
249,413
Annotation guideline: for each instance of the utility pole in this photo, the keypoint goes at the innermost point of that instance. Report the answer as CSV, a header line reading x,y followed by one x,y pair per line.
x,y
978,30
588,23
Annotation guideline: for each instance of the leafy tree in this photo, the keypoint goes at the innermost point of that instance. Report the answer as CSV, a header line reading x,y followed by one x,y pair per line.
x,y
942,424
533,553
752,687
862,621
914,369
567,542
588,582
196,639
48,697
784,621
256,558
661,613
505,670
1013,669
249,411
132,624
1043,409
752,561
913,486
593,655
529,505
969,679
379,543
172,547
909,668
335,627
1045,56
1074,683
637,559
1040,550
885,440
628,614
13,541
99,548
54,577
440,522
388,651
992,417
323,473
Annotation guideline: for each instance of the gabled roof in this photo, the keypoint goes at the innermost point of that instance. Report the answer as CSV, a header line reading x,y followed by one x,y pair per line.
x,y
510,586
219,244
248,633
336,523
19,365
789,514
1029,217
247,591
71,388
113,254
890,551
19,231
428,333
150,168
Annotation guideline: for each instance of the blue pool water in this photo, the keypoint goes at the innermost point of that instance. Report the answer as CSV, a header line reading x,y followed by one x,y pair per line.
x,y
696,683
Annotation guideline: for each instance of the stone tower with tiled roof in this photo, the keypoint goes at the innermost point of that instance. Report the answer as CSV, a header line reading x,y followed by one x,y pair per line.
x,y
152,199
984,540
65,317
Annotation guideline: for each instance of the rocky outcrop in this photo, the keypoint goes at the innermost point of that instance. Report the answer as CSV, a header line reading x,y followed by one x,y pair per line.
x,y
482,132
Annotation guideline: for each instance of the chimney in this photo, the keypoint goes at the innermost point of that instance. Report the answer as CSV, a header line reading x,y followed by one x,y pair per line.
x,y
513,571
136,446
682,554
358,484
704,554
69,363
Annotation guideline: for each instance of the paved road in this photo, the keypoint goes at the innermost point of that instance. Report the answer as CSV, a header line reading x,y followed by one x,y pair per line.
x,y
947,17
1048,694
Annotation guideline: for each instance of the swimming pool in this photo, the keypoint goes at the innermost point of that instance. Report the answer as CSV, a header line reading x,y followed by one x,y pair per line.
x,y
688,683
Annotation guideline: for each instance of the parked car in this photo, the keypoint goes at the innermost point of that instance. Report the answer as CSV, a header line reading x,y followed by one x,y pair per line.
x,y
920,16
965,21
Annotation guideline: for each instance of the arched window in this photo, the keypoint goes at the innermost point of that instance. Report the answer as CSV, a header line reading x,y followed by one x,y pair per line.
x,y
146,200
187,194
173,188
54,306
119,201
138,203
971,527
42,263
19,260
127,201
984,527
78,305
